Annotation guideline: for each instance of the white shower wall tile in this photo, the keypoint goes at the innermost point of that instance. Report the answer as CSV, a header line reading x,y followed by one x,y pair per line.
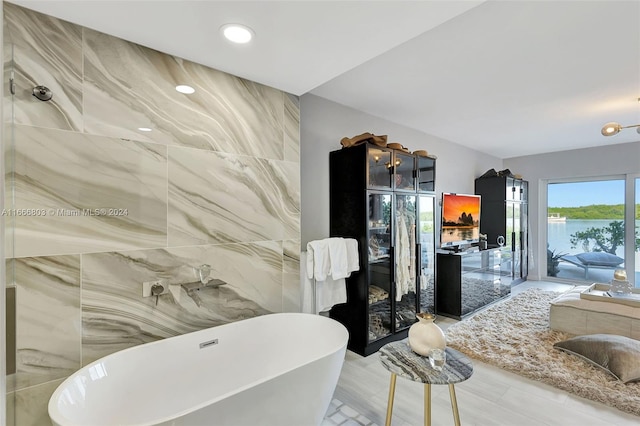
x,y
116,316
48,334
61,174
226,113
223,198
47,52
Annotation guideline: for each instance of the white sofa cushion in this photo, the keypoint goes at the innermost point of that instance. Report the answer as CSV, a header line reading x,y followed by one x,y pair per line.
x,y
571,314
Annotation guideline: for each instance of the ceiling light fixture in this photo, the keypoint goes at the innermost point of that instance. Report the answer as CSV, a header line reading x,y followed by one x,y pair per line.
x,y
237,33
613,128
187,90
145,129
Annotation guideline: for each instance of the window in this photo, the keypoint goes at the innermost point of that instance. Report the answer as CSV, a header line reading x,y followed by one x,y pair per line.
x,y
586,236
636,216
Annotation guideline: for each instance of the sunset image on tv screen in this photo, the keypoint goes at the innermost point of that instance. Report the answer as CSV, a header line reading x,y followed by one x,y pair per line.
x,y
460,210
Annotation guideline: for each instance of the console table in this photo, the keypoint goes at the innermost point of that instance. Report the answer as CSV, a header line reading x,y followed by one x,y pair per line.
x,y
400,360
468,281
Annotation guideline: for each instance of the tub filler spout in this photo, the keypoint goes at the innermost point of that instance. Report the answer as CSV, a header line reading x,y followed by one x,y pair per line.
x,y
193,288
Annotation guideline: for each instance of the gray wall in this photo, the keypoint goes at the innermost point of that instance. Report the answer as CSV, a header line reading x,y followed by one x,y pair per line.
x,y
602,161
323,123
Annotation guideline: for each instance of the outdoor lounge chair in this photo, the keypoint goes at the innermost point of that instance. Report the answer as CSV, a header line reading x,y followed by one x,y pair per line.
x,y
593,260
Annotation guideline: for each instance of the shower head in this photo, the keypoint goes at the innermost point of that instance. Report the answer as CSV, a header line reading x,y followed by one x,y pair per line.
x,y
43,93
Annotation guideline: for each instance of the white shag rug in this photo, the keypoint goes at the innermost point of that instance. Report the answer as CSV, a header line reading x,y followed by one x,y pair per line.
x,y
514,335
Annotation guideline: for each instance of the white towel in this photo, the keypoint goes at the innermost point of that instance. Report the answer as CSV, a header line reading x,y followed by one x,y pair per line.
x,y
318,260
328,292
338,258
353,262
328,262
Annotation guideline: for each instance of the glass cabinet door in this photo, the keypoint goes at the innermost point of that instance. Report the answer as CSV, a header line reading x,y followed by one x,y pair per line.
x,y
405,261
405,176
379,264
380,167
426,174
426,255
512,190
517,240
524,190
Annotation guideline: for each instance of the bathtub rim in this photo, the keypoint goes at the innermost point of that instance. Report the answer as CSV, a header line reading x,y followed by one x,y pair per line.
x,y
341,348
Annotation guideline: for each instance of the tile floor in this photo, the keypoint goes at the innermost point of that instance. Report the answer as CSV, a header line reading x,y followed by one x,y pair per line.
x,y
341,414
491,397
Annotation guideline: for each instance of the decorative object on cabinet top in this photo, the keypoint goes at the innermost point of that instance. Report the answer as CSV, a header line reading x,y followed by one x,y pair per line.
x,y
424,153
381,141
506,172
398,146
364,137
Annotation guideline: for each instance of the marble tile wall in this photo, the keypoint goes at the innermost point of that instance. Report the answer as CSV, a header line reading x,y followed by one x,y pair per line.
x,y
216,182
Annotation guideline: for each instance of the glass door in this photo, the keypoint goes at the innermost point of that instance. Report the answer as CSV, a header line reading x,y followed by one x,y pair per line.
x,y
405,243
586,229
379,265
8,281
426,174
426,253
517,240
379,167
404,176
636,234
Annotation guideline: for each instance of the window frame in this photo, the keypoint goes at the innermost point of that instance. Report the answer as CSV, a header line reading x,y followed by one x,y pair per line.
x,y
630,182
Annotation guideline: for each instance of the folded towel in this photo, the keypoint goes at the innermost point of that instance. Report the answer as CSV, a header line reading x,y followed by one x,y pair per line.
x,y
329,292
338,258
328,262
318,260
353,263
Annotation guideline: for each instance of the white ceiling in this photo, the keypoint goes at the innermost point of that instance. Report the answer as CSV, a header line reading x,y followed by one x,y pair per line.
x,y
508,78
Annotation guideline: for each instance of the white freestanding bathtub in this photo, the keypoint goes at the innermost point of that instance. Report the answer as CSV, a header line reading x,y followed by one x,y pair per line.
x,y
275,370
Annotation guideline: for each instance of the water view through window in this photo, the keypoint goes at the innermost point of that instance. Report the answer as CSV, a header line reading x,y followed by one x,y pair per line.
x,y
586,229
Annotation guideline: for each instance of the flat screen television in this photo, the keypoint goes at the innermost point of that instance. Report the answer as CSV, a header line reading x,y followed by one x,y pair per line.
x,y
460,220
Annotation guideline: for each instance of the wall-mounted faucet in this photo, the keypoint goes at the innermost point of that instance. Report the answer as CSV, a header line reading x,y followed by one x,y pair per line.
x,y
202,279
203,272
154,288
192,289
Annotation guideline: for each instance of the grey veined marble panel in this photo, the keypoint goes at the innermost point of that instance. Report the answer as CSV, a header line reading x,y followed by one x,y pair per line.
x,y
222,198
30,406
116,316
291,288
48,334
128,86
48,52
66,176
291,128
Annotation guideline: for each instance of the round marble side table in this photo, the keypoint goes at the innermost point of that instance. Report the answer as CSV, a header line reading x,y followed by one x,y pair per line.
x,y
400,360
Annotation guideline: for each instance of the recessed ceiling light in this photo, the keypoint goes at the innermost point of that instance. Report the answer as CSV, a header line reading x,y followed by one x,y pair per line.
x,y
144,129
237,33
183,88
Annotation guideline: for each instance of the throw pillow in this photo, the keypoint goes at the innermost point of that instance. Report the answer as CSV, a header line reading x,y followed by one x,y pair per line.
x,y
618,355
598,258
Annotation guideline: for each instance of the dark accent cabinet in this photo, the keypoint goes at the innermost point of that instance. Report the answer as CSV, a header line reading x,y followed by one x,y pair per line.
x,y
504,216
385,199
469,281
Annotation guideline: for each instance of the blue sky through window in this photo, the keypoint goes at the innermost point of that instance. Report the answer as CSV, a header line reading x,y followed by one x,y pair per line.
x,y
577,194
